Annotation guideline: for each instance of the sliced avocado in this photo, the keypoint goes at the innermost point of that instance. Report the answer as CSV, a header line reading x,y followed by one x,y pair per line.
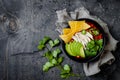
x,y
72,48
80,50
82,54
67,47
75,49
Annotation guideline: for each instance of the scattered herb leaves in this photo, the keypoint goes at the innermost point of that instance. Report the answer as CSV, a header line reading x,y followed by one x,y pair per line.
x,y
48,55
56,52
53,57
47,66
60,60
54,43
42,43
92,47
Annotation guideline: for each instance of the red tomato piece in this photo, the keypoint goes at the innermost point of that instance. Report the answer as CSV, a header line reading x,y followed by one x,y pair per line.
x,y
98,37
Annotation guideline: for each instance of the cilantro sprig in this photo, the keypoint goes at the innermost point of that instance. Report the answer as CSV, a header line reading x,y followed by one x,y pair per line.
x,y
54,43
54,60
42,43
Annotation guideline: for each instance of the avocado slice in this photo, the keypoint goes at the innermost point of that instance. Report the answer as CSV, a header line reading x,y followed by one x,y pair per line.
x,y
68,49
75,49
72,48
79,49
82,54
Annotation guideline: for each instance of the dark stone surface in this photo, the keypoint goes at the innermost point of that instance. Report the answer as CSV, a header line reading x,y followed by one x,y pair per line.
x,y
24,22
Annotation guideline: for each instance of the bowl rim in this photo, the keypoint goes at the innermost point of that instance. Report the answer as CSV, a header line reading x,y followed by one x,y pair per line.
x,y
99,53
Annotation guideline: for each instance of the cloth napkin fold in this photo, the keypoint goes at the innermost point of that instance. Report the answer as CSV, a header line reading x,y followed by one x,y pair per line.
x,y
106,57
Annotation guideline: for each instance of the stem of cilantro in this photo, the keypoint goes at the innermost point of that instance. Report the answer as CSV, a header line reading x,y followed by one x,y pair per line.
x,y
47,48
76,75
60,67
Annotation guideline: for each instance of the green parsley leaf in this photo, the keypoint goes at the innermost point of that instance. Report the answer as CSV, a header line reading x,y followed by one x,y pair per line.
x,y
56,42
48,55
64,72
93,53
54,61
51,43
47,66
42,43
96,32
40,47
64,76
99,42
87,53
56,52
66,67
46,39
60,60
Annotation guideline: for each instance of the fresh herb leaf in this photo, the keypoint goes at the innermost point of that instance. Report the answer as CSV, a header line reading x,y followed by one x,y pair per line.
x,y
47,66
56,52
87,53
64,76
60,60
90,44
93,53
96,32
56,42
99,42
93,47
54,61
41,47
51,43
65,73
46,39
66,67
48,55
42,43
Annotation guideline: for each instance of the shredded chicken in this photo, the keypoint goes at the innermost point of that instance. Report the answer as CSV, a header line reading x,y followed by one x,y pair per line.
x,y
84,39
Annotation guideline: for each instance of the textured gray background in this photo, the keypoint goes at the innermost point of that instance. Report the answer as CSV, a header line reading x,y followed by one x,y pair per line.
x,y
24,22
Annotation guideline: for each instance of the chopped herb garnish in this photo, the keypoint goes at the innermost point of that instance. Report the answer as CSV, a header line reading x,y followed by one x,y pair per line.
x,y
96,32
93,47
